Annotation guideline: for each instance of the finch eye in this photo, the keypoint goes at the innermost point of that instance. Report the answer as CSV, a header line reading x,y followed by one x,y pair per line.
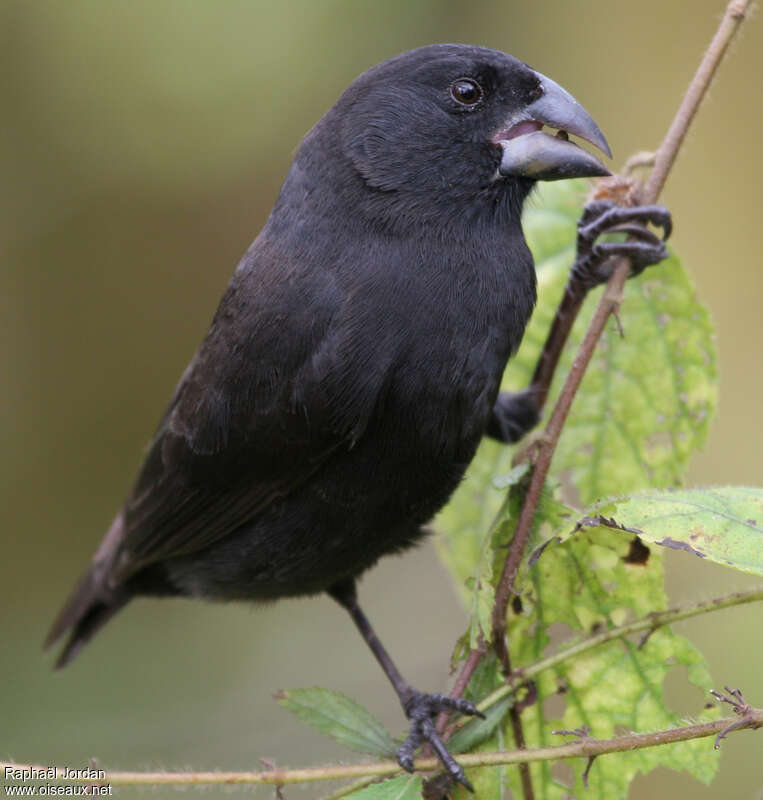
x,y
466,91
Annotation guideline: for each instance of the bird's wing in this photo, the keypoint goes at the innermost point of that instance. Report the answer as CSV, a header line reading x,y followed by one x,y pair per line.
x,y
280,384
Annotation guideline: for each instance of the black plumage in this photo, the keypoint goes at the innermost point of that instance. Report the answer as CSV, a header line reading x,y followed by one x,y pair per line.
x,y
354,362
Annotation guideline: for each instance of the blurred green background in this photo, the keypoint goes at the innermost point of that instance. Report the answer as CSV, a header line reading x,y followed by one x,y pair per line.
x,y
143,144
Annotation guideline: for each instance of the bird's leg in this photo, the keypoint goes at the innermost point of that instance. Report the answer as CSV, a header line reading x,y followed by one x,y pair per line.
x,y
420,708
517,413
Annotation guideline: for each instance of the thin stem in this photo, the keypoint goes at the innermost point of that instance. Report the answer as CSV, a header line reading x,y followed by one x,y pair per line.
x,y
519,739
459,687
583,748
736,11
664,159
610,301
650,623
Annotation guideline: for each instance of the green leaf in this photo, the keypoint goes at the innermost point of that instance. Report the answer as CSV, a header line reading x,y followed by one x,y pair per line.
x,y
723,524
480,569
341,718
646,400
490,783
478,730
643,407
512,477
402,787
458,550
483,582
585,584
467,520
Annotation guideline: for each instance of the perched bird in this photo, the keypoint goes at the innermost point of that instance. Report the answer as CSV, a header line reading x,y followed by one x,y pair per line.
x,y
354,362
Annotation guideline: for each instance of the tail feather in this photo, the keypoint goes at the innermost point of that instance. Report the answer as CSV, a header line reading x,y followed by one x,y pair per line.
x,y
92,603
84,622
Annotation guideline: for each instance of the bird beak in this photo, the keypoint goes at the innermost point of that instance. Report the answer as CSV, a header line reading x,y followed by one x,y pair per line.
x,y
529,152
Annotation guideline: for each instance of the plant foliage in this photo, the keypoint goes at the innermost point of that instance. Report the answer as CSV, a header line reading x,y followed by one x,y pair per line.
x,y
643,407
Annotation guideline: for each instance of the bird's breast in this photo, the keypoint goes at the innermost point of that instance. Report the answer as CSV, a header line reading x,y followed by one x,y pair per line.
x,y
456,337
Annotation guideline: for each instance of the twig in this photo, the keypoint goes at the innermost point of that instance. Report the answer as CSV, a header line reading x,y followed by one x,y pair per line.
x,y
372,773
462,681
519,739
584,748
610,301
650,623
736,11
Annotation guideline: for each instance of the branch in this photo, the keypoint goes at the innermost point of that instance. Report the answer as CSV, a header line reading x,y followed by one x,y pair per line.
x,y
583,748
610,301
736,11
649,624
663,161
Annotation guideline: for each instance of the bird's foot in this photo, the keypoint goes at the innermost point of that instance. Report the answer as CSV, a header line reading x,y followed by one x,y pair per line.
x,y
421,709
595,260
514,415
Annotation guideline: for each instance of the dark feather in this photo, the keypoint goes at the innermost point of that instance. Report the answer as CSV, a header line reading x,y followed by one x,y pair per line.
x,y
353,362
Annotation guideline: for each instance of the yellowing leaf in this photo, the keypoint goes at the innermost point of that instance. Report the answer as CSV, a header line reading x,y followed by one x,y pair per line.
x,y
723,524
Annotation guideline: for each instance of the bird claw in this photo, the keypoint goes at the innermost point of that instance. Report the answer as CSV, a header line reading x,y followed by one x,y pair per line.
x,y
514,414
593,265
421,709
